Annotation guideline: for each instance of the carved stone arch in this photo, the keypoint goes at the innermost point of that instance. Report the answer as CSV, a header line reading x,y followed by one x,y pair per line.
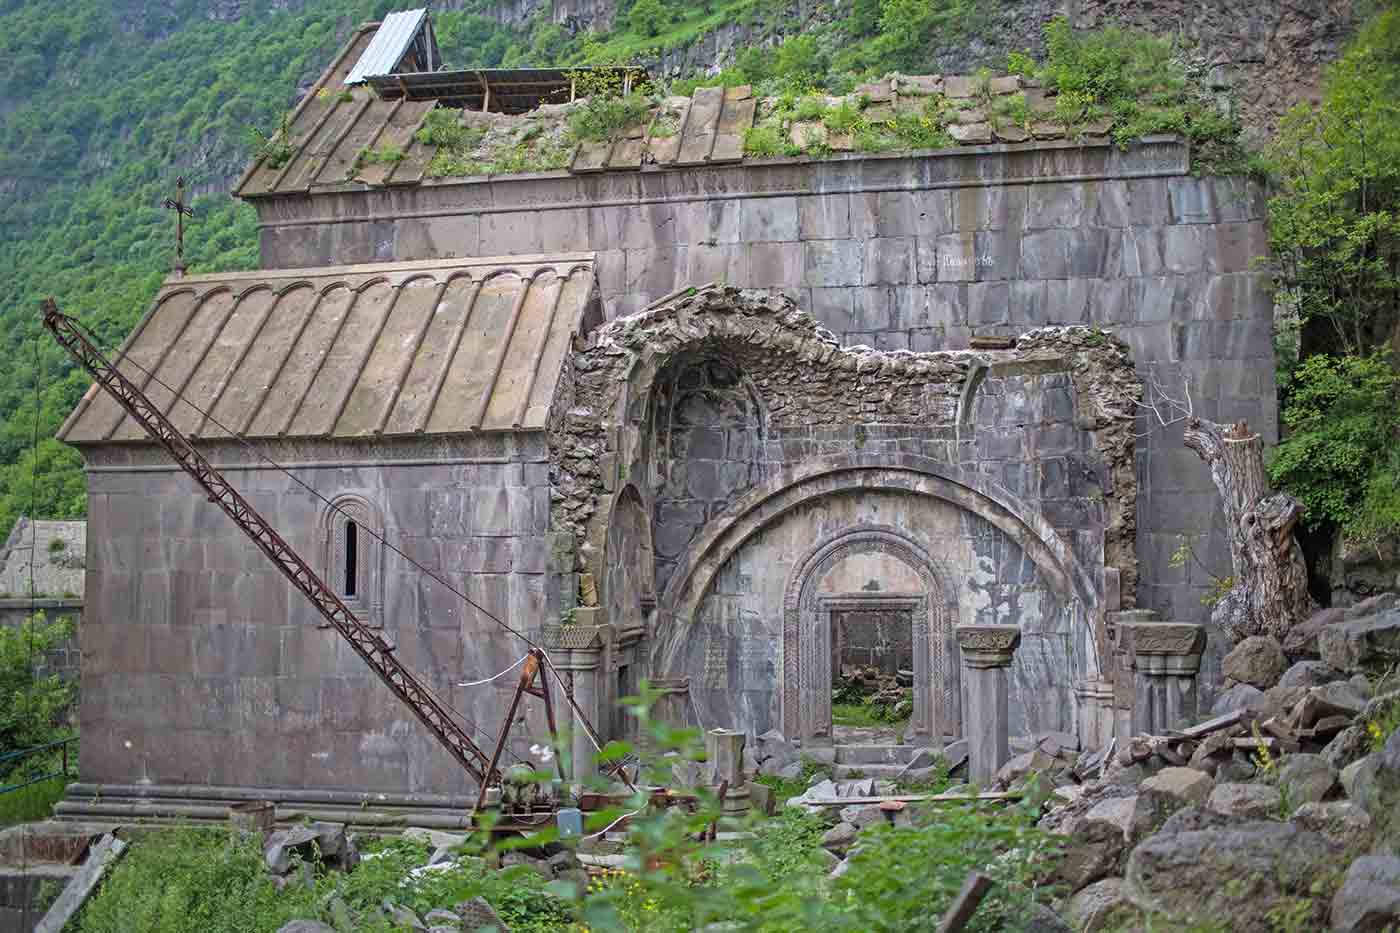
x,y
367,602
806,658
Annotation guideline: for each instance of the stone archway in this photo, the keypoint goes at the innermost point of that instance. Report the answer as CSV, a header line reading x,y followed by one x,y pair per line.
x,y
807,674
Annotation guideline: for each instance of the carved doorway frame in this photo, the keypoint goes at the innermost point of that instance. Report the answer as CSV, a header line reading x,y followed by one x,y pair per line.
x,y
916,605
806,687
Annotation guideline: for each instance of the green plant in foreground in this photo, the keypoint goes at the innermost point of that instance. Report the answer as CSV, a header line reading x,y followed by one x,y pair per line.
x,y
31,707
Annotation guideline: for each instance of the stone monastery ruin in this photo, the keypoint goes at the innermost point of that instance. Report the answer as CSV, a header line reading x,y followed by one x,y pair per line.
x,y
679,413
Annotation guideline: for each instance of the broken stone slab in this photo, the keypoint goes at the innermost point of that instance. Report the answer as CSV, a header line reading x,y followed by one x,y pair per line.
x,y
440,916
403,918
1341,821
971,134
1103,905
1375,780
1244,801
283,844
1098,842
773,744
862,815
959,86
1242,696
1006,84
1306,778
1181,870
1257,661
1356,645
1369,898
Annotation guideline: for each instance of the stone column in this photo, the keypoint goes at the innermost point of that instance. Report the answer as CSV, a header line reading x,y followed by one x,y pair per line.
x,y
581,651
1166,658
724,754
986,655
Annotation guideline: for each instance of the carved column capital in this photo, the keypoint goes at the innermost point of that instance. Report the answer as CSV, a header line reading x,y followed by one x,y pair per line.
x,y
986,646
1157,639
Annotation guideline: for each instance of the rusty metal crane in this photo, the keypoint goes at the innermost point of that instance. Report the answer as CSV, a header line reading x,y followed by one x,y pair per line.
x,y
368,644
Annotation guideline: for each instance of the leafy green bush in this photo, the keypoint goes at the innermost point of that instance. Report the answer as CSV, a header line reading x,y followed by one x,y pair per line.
x,y
764,140
1343,414
31,708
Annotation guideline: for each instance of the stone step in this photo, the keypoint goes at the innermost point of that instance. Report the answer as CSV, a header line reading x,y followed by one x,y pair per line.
x,y
875,754
851,772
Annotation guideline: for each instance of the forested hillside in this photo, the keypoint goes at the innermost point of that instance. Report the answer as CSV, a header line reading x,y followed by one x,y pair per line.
x,y
107,103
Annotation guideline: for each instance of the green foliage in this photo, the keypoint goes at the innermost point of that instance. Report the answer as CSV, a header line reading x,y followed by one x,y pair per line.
x,y
649,17
908,26
1343,414
1134,78
1336,204
34,802
786,788
764,140
31,708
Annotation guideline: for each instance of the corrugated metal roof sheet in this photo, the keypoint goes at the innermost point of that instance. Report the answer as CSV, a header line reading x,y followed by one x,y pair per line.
x,y
390,42
436,347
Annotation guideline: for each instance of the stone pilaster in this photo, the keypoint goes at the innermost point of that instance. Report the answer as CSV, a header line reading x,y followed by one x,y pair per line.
x,y
581,653
724,762
1121,669
986,655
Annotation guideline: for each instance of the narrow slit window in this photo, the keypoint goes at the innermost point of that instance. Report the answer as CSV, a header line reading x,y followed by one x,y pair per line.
x,y
352,547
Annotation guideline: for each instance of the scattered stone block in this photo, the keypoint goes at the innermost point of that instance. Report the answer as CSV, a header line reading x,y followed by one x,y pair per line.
x,y
1046,129
1351,744
862,815
284,844
1309,674
1341,821
840,836
1369,898
1306,778
1006,84
1241,696
1244,801
1301,640
959,86
306,926
1258,661
971,133
1011,133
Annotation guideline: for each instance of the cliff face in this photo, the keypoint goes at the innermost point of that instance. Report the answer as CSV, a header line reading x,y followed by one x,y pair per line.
x,y
1268,55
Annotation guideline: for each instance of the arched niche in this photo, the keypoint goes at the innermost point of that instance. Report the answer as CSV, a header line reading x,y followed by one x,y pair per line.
x,y
704,439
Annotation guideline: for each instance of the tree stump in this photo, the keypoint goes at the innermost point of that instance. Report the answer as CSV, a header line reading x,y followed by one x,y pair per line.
x,y
1270,591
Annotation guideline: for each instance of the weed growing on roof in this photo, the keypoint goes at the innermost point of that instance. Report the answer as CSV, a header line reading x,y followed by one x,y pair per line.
x,y
275,149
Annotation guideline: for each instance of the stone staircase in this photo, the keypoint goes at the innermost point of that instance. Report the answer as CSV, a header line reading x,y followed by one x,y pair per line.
x,y
873,761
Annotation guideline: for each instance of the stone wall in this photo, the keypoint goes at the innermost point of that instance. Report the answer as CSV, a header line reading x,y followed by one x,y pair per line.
x,y
203,666
907,252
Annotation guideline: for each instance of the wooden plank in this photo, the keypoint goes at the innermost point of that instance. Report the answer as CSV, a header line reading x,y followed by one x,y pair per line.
x,y
591,156
974,889
701,123
108,849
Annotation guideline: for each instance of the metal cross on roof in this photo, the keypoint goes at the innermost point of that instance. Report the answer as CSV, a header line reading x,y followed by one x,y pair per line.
x,y
182,210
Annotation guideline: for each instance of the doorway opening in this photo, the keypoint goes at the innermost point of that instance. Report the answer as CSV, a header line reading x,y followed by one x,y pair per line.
x,y
872,667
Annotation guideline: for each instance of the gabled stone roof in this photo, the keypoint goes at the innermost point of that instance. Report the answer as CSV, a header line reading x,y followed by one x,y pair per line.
x,y
435,347
341,137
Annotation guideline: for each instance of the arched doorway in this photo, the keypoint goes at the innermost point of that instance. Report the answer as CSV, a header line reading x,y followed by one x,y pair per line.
x,y
808,636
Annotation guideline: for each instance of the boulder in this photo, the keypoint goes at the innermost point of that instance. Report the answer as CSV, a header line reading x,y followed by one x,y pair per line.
x,y
840,836
1309,674
1341,821
1306,778
1041,919
1238,767
306,926
1258,661
775,751
1240,696
1301,640
1340,697
1098,842
1169,790
1244,801
1362,643
1372,605
1181,871
1375,782
1103,905
403,918
1369,898
1280,697
477,914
